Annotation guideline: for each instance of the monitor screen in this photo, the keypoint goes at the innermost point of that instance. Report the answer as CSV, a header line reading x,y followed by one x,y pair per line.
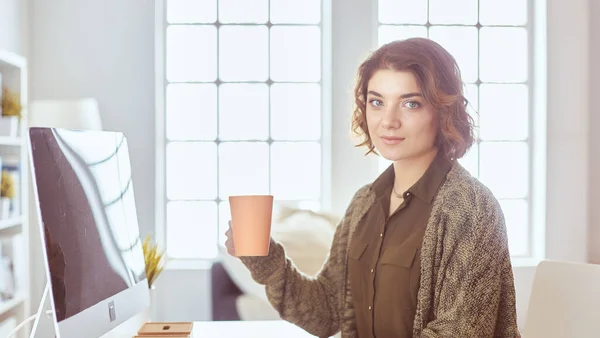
x,y
87,210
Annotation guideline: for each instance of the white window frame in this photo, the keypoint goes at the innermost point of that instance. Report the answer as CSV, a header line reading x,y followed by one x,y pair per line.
x,y
161,82
340,60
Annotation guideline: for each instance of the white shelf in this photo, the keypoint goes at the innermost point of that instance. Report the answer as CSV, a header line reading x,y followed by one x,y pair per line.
x,y
13,69
10,141
12,59
9,224
9,305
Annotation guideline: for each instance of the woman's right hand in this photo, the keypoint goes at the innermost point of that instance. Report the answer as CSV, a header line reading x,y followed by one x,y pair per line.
x,y
229,242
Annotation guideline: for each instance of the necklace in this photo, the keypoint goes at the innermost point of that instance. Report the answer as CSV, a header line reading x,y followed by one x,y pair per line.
x,y
395,193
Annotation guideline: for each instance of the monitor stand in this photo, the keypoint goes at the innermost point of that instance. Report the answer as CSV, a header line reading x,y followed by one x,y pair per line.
x,y
44,323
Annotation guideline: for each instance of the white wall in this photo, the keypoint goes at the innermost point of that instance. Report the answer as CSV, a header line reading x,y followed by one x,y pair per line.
x,y
11,25
594,152
568,124
102,49
105,49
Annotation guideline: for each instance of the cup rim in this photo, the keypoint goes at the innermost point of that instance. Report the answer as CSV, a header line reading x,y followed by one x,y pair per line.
x,y
252,195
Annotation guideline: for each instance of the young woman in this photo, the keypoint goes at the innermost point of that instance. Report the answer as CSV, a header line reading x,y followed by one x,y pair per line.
x,y
422,251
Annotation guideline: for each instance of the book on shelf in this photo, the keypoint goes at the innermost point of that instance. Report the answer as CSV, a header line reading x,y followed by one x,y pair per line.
x,y
7,272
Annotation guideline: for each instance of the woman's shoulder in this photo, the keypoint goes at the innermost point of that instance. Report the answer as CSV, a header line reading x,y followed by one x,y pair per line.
x,y
466,189
362,199
464,197
358,206
469,212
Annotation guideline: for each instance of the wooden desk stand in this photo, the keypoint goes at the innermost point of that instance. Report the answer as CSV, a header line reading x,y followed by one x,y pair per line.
x,y
165,330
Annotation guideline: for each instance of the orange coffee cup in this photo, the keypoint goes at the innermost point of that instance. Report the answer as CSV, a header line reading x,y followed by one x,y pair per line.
x,y
251,224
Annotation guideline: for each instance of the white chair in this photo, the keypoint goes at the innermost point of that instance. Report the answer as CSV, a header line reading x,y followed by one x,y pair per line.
x,y
565,301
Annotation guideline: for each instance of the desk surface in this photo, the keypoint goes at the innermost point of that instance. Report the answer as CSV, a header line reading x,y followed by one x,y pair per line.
x,y
237,329
248,329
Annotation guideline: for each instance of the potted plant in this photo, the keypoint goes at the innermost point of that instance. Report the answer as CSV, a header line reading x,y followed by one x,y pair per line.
x,y
7,193
155,263
11,113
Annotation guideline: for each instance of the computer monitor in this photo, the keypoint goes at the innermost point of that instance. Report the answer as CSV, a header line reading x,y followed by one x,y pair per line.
x,y
93,253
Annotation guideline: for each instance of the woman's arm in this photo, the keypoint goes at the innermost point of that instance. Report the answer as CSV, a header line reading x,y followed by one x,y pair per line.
x,y
311,303
475,294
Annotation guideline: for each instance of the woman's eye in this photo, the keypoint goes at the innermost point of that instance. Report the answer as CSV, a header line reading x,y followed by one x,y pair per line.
x,y
375,102
413,104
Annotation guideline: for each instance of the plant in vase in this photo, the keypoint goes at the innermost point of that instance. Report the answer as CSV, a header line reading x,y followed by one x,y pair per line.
x,y
11,103
154,258
11,113
155,263
7,193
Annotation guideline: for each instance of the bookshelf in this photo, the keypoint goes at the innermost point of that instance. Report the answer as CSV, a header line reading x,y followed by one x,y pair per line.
x,y
14,221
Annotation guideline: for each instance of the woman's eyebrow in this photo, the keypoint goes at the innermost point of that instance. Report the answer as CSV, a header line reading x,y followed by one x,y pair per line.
x,y
403,96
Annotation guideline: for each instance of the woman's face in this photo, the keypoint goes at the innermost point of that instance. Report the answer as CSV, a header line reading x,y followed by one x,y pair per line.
x,y
402,126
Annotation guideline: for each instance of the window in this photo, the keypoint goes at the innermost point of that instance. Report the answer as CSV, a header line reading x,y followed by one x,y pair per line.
x,y
242,114
490,40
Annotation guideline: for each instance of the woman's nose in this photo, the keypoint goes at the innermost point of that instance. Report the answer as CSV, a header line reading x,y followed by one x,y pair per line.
x,y
391,119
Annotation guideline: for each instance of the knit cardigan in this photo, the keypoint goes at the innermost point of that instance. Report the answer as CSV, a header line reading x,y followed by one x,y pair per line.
x,y
466,288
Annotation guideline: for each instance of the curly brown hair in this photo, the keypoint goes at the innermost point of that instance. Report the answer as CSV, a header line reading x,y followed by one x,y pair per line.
x,y
438,77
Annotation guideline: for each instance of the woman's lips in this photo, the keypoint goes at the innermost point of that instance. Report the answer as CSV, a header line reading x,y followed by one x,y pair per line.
x,y
391,140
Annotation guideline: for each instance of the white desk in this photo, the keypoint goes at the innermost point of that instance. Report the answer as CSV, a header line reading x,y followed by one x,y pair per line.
x,y
237,329
248,329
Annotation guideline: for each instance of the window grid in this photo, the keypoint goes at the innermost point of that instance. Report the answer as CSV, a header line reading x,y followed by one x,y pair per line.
x,y
221,201
413,29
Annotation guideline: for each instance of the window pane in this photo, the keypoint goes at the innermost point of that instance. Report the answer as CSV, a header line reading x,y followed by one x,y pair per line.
x,y
191,112
244,111
391,33
472,95
191,229
294,11
505,168
463,12
403,11
470,160
504,112
243,11
516,216
243,53
191,11
191,170
505,12
471,92
243,169
296,170
503,54
295,53
224,218
461,42
191,53
295,111
384,164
